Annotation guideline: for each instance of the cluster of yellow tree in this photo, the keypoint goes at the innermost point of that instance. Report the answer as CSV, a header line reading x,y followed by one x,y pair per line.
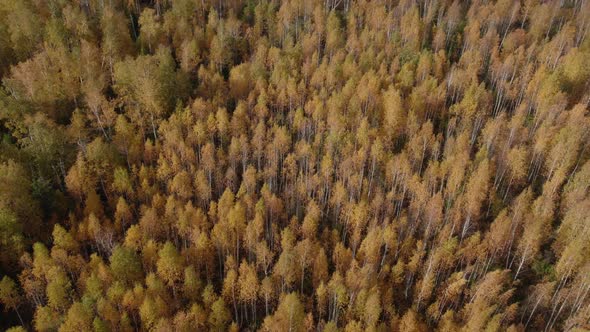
x,y
294,165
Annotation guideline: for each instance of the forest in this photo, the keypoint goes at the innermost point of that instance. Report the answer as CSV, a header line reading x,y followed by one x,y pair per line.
x,y
294,165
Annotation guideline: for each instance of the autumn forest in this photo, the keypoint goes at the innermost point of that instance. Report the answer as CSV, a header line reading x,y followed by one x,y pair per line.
x,y
296,165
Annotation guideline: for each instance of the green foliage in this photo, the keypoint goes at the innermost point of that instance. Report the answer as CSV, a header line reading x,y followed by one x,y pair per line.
x,y
543,269
125,264
9,296
12,240
219,316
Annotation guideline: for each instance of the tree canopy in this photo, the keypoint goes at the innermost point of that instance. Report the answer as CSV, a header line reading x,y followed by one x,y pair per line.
x,y
294,165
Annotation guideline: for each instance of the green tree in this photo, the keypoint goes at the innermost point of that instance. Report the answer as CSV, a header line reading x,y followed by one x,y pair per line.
x,y
170,264
10,297
125,264
219,316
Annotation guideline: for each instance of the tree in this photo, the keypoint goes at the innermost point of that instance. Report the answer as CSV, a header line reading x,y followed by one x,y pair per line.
x,y
239,82
372,308
64,239
125,264
78,317
289,316
170,264
320,268
334,38
12,240
153,82
46,319
248,284
489,301
477,191
393,113
311,220
9,296
410,322
219,316
410,24
287,259
23,27
149,27
17,205
16,329
116,39
59,289
191,284
151,310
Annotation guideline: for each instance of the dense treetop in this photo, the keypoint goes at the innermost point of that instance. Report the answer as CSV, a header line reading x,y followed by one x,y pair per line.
x,y
294,165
